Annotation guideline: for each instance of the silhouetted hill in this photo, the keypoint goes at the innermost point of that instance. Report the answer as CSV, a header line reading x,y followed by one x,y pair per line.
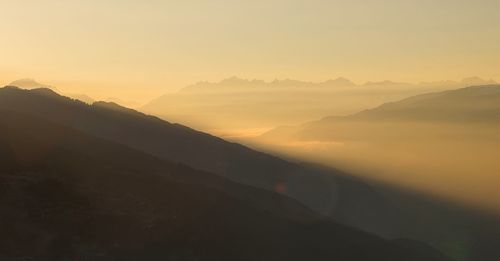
x,y
331,193
82,97
178,143
348,200
66,195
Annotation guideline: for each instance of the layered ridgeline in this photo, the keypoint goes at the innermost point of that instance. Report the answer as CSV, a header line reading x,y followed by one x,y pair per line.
x,y
235,107
389,213
33,84
448,141
445,143
28,83
473,106
327,193
67,194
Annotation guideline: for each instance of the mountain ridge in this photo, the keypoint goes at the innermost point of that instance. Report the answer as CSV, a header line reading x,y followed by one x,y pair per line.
x,y
343,198
70,195
239,105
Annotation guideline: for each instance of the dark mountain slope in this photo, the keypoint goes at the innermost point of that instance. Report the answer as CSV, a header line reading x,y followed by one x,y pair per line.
x,y
348,200
152,135
329,193
68,196
236,105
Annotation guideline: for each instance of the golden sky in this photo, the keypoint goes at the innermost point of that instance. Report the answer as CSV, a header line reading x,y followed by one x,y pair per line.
x,y
138,49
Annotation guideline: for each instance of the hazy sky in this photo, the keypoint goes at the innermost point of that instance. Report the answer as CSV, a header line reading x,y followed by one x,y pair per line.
x,y
136,49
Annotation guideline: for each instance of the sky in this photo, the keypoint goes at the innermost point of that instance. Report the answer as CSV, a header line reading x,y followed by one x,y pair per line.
x,y
139,49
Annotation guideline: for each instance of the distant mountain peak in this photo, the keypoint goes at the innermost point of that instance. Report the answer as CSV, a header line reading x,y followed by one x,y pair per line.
x,y
340,81
474,80
478,90
29,83
234,80
26,80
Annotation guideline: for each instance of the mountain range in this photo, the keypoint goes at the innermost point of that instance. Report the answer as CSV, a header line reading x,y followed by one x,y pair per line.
x,y
177,143
238,105
464,106
441,143
69,194
331,194
478,103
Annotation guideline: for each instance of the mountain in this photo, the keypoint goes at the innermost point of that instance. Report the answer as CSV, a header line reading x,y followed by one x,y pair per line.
x,y
476,81
470,109
442,143
470,105
331,193
67,195
82,97
29,83
164,140
339,82
236,107
372,207
479,103
130,104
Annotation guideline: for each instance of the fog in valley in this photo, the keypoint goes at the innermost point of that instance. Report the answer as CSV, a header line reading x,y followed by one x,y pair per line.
x,y
238,107
445,145
250,130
